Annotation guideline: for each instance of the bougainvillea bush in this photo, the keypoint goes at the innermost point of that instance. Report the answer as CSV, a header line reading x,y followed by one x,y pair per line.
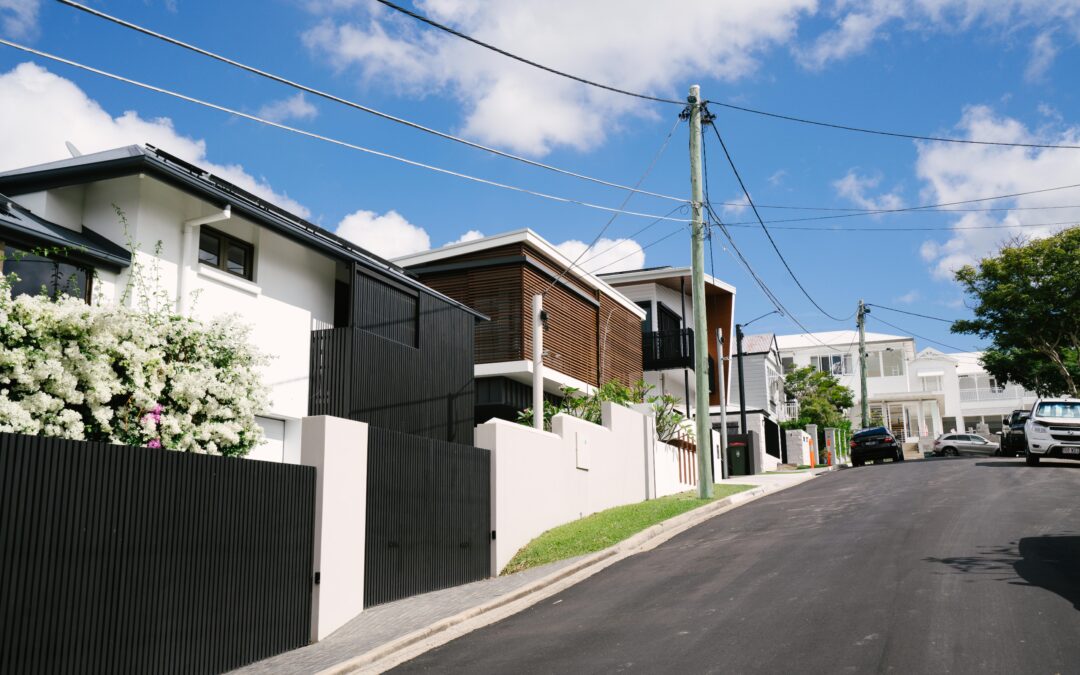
x,y
108,372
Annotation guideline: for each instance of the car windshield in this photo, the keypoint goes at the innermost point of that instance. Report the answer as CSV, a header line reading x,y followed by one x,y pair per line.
x,y
1059,409
875,431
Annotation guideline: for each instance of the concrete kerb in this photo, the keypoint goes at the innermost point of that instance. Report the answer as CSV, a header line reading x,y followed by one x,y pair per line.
x,y
405,648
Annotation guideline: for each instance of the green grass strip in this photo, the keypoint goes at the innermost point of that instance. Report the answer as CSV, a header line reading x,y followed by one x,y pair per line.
x,y
606,528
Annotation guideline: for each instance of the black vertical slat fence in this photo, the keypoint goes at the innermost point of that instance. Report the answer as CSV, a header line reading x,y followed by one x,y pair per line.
x,y
116,559
428,515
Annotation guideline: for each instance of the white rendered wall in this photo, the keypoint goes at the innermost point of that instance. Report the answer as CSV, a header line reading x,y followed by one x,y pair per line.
x,y
798,447
292,289
543,479
338,450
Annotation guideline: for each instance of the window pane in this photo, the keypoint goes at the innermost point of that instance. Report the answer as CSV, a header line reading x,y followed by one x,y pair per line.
x,y
892,363
237,262
209,248
38,274
873,364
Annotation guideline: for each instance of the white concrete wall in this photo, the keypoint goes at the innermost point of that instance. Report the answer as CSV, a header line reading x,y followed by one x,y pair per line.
x,y
799,447
667,479
338,449
543,479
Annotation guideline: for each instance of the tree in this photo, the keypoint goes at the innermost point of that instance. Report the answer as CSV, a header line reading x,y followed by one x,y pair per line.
x,y
822,399
1028,304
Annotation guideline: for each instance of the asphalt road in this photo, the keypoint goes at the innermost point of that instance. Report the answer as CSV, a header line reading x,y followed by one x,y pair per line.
x,y
935,566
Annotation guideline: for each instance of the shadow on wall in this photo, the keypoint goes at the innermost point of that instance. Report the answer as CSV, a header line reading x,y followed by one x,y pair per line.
x,y
1048,561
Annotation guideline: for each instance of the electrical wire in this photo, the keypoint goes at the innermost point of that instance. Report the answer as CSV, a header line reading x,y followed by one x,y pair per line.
x,y
352,104
647,246
928,208
652,163
683,207
922,207
327,139
772,241
906,331
903,311
730,106
944,228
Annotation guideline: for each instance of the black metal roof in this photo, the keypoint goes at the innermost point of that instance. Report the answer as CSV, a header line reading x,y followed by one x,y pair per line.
x,y
21,227
185,176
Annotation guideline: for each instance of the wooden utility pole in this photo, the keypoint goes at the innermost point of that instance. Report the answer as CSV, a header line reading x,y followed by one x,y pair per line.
x,y
701,332
861,314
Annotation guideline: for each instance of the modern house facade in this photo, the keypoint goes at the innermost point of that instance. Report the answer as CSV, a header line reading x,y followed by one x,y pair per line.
x,y
217,249
918,396
763,385
593,332
667,333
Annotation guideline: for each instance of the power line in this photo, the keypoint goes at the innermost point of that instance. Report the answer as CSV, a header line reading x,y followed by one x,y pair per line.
x,y
904,330
626,200
730,106
922,207
870,212
772,241
534,64
903,311
352,104
327,139
943,228
647,246
631,236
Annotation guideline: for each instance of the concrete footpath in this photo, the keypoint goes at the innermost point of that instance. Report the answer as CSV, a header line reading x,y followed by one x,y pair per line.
x,y
387,634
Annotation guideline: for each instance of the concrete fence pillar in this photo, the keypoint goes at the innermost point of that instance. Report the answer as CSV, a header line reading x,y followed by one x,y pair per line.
x,y
338,449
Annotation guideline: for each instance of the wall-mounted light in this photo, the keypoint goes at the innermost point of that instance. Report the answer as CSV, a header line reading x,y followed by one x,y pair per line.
x,y
544,318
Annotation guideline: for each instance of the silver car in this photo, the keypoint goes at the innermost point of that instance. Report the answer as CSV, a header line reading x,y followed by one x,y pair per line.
x,y
964,444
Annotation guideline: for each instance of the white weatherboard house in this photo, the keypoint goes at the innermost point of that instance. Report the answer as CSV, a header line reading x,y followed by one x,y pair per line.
x,y
763,384
213,247
918,396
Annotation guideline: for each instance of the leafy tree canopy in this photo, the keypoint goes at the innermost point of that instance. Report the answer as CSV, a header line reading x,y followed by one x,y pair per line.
x,y
1027,302
822,399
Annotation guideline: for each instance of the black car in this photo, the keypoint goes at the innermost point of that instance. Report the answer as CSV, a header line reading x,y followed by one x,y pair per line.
x,y
876,443
1013,441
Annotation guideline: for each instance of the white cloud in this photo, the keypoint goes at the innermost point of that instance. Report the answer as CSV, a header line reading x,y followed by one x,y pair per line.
x,y
42,110
388,235
471,235
292,108
522,108
777,178
858,23
735,206
909,297
606,255
854,188
19,18
960,172
1043,53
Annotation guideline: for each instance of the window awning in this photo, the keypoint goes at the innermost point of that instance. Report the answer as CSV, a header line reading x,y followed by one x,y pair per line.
x,y
21,228
931,373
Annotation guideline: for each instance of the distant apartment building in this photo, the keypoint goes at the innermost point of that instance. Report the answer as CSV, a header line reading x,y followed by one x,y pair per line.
x,y
917,395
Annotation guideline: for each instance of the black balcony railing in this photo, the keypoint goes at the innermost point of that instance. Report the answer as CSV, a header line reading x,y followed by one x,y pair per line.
x,y
665,349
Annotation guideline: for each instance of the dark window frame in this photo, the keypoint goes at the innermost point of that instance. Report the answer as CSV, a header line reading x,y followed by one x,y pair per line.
x,y
224,241
89,271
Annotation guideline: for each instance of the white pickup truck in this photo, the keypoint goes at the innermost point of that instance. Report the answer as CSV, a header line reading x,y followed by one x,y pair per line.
x,y
1053,430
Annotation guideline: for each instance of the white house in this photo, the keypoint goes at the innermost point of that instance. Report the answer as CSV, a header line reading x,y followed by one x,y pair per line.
x,y
916,395
763,384
215,249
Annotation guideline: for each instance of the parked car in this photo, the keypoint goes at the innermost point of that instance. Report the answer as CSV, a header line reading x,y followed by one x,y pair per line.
x,y
964,444
1012,433
875,443
1053,430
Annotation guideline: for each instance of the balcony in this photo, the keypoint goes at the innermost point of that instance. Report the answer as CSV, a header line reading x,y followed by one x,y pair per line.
x,y
665,349
993,394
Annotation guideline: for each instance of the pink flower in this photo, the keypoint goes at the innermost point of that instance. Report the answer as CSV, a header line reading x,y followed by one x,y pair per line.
x,y
154,443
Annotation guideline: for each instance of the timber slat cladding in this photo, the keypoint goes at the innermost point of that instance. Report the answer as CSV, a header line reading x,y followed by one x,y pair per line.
x,y
497,293
620,342
137,560
570,340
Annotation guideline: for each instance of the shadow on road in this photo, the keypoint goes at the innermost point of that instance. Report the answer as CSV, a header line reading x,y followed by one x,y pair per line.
x,y
1048,561
1013,463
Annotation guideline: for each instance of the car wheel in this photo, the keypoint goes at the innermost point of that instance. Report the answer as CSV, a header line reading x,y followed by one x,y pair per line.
x,y
899,455
856,462
998,453
1032,460
945,452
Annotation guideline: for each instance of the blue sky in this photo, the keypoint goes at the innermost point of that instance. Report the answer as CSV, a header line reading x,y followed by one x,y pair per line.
x,y
995,69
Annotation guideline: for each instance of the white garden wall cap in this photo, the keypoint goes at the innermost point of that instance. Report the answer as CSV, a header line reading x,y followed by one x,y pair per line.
x,y
137,160
526,236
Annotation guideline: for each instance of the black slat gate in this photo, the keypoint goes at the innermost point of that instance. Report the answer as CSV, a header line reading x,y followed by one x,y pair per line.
x,y
116,559
428,515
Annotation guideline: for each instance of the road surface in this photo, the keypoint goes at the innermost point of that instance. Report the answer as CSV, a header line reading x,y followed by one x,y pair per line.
x,y
936,566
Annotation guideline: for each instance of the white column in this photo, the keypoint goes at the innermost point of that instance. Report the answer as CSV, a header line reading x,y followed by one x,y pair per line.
x,y
338,449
